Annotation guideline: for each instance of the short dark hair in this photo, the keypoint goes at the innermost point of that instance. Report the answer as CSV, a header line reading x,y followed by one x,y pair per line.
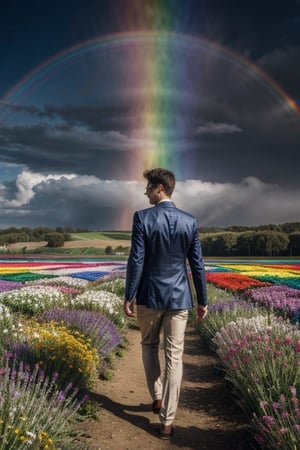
x,y
161,176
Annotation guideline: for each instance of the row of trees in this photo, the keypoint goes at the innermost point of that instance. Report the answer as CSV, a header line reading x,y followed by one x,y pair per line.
x,y
288,227
264,240
251,243
25,234
54,237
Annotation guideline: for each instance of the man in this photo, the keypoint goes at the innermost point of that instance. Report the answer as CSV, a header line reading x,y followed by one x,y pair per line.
x,y
164,238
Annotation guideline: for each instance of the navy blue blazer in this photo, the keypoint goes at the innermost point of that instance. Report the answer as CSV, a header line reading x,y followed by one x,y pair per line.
x,y
163,239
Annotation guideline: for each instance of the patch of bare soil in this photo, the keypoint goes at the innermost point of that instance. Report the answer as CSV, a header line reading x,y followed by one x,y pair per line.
x,y
97,243
80,243
28,245
206,418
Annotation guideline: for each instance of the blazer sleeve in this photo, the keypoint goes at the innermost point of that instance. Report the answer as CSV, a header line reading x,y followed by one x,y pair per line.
x,y
135,261
197,268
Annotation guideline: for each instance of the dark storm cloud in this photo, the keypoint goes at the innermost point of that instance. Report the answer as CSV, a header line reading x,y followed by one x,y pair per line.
x,y
94,117
283,65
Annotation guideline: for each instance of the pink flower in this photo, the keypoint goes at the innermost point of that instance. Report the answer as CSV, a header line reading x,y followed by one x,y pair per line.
x,y
259,439
233,350
263,403
288,340
297,412
282,398
269,420
276,405
282,430
293,390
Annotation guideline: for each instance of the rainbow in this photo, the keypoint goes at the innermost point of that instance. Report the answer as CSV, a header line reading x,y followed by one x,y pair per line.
x,y
153,110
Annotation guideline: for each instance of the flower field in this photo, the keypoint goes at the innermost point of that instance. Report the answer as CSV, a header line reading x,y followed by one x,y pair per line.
x,y
61,320
59,323
253,327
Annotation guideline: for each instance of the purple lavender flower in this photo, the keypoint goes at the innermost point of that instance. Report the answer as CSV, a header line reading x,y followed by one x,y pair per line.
x,y
103,333
282,298
6,285
219,307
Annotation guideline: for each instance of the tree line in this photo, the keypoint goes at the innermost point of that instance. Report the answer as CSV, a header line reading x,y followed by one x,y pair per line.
x,y
263,240
260,241
55,237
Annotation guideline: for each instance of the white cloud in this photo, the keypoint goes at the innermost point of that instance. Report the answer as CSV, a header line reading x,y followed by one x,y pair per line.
x,y
26,182
217,128
94,203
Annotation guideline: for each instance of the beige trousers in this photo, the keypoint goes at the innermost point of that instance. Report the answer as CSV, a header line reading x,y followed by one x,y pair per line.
x,y
172,325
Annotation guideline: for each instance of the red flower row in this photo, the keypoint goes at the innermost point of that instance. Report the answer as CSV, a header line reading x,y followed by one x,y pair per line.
x,y
233,281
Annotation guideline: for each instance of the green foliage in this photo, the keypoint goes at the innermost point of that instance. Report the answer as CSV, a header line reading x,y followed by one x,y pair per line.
x,y
116,286
109,250
246,243
121,235
270,243
294,243
54,240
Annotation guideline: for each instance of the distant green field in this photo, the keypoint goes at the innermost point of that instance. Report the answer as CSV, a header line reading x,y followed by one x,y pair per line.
x,y
101,235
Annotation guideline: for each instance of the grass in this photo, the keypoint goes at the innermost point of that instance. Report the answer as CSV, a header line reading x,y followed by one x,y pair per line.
x,y
104,235
81,251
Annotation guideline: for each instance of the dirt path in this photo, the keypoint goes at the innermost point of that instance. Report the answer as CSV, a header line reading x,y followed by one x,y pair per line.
x,y
206,417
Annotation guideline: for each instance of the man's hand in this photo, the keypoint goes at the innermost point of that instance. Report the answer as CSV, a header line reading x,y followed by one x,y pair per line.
x,y
128,308
201,312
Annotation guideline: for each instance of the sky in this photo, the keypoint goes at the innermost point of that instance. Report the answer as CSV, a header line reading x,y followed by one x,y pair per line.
x,y
93,92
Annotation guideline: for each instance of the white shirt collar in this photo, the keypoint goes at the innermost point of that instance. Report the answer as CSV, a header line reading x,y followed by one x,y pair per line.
x,y
165,200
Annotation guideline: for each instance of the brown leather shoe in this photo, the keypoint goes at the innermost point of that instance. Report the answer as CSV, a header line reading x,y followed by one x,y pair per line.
x,y
156,405
166,431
